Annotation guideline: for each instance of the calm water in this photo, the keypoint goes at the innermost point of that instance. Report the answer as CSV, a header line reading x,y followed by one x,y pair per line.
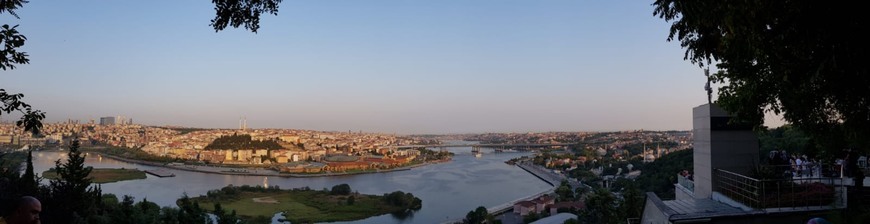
x,y
448,190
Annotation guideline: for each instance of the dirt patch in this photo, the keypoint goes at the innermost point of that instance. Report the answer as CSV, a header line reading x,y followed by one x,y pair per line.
x,y
268,200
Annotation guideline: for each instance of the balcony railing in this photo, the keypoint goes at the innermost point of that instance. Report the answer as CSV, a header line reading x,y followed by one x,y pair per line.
x,y
685,182
781,192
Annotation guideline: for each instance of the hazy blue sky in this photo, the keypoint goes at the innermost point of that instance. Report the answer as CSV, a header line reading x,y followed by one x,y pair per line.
x,y
447,66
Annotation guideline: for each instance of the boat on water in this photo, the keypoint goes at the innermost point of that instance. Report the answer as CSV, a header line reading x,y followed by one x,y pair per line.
x,y
477,154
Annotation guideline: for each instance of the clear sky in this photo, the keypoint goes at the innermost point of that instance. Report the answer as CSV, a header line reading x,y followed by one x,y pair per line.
x,y
447,66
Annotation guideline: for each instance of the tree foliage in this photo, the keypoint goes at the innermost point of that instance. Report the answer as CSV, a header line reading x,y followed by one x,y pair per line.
x,y
532,217
12,40
31,120
786,137
29,180
190,212
632,202
478,216
240,142
341,189
71,196
224,217
804,60
402,199
565,192
245,13
601,207
660,175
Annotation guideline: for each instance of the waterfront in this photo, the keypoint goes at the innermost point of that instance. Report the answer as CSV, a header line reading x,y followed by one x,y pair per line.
x,y
448,190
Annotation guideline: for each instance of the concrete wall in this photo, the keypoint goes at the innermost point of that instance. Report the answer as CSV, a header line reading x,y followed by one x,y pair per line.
x,y
719,145
683,193
652,214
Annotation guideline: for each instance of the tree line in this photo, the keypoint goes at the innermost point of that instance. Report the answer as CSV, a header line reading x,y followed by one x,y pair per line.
x,y
72,198
241,142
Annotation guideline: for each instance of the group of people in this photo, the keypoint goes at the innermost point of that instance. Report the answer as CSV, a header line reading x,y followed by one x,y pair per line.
x,y
687,175
849,163
791,166
794,165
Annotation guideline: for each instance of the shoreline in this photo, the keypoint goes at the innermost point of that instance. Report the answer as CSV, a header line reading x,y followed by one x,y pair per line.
x,y
193,168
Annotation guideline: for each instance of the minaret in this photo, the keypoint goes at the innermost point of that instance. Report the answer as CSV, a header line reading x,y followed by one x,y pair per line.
x,y
643,155
245,124
658,150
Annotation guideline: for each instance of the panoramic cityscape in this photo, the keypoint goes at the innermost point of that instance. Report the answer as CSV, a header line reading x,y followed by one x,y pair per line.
x,y
514,111
177,152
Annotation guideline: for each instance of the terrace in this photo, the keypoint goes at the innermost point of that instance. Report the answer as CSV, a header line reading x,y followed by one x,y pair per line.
x,y
782,193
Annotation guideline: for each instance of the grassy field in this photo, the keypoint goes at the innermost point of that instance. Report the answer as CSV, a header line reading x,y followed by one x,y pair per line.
x,y
105,175
303,206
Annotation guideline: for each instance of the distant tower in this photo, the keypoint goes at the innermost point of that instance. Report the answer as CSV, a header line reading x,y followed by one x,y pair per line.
x,y
643,155
245,124
107,121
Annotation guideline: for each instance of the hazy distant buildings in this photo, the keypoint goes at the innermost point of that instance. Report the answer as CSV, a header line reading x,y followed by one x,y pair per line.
x,y
107,121
121,120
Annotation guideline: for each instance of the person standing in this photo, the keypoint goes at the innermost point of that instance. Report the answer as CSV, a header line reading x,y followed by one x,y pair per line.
x,y
852,163
799,166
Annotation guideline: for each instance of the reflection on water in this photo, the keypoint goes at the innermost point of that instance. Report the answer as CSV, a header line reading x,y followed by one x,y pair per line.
x,y
448,190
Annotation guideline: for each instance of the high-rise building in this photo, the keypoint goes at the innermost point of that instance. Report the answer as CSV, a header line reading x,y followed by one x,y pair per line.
x,y
107,121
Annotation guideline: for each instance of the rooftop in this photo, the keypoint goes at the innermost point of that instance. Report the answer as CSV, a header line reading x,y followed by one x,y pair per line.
x,y
690,209
556,219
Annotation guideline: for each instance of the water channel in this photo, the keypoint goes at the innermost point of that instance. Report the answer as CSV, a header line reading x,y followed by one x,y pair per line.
x,y
448,190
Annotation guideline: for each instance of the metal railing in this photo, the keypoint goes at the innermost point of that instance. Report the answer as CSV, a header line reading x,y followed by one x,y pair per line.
x,y
781,192
685,182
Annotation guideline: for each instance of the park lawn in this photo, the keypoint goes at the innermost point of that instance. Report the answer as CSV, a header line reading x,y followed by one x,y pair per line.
x,y
304,206
105,175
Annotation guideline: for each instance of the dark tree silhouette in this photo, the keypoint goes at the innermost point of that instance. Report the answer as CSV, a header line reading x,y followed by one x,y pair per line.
x,y
190,212
242,13
803,59
71,198
341,189
29,180
11,40
477,216
223,217
602,207
239,142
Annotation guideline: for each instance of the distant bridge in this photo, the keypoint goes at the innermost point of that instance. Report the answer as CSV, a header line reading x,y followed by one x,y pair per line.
x,y
521,145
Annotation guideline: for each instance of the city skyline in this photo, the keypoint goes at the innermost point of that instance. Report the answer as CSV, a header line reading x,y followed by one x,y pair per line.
x,y
392,67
